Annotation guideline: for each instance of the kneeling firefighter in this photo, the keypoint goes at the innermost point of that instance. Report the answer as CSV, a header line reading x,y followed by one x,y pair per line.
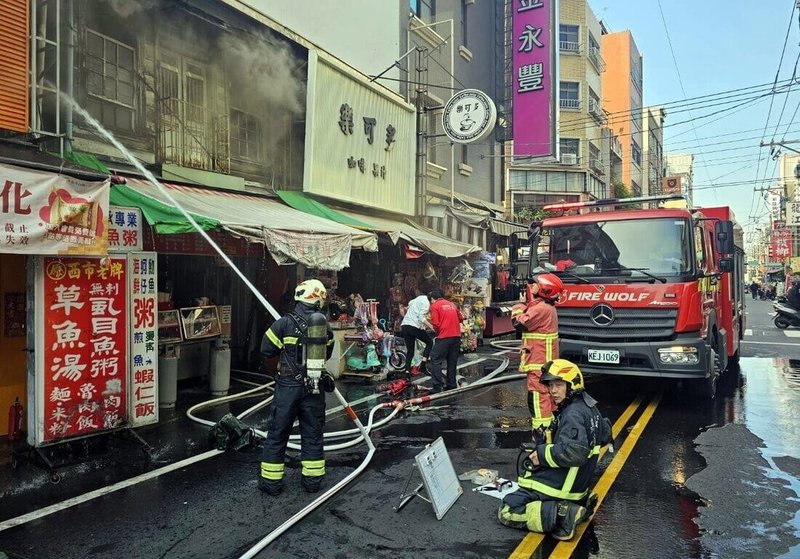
x,y
553,488
304,341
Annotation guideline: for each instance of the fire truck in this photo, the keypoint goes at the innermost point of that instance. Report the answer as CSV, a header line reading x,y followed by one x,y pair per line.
x,y
648,292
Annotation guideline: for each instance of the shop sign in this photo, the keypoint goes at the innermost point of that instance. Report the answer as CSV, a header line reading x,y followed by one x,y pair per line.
x,y
782,242
46,213
143,407
82,352
124,229
469,116
534,84
360,140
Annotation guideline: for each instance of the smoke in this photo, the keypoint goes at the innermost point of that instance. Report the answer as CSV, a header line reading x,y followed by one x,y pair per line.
x,y
263,70
126,8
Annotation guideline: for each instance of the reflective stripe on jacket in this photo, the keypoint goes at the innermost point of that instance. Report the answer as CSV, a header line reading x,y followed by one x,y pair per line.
x,y
568,463
539,341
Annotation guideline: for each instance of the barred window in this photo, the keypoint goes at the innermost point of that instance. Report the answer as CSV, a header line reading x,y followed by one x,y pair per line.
x,y
245,135
109,81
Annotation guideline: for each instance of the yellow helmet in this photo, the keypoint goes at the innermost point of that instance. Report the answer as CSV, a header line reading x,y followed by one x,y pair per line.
x,y
311,292
561,369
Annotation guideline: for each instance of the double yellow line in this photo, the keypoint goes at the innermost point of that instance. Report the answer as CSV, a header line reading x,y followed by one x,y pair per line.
x,y
564,550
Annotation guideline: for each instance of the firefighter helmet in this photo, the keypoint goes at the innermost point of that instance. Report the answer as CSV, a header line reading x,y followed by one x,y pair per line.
x,y
561,369
311,293
550,286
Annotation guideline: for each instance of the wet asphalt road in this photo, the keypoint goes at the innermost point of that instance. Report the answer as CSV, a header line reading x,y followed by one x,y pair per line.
x,y
704,480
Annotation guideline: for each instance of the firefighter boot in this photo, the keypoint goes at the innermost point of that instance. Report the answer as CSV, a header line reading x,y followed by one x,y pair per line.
x,y
568,517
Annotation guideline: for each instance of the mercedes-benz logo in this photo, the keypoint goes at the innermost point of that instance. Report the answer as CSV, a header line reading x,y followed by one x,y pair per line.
x,y
602,315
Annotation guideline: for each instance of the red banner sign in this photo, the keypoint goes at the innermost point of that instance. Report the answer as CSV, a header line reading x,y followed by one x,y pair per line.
x,y
782,243
85,353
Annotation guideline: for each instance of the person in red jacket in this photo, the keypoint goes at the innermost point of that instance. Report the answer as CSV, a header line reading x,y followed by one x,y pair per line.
x,y
446,320
538,321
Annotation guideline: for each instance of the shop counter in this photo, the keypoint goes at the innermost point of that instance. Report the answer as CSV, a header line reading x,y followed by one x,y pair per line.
x,y
498,319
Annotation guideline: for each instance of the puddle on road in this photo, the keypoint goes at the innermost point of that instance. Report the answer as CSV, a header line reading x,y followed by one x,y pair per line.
x,y
764,404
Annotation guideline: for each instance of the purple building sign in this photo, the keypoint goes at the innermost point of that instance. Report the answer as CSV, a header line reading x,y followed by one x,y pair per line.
x,y
534,67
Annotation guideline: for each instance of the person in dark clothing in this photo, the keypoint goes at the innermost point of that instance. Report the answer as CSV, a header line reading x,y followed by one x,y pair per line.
x,y
446,320
294,398
413,328
793,295
754,289
553,493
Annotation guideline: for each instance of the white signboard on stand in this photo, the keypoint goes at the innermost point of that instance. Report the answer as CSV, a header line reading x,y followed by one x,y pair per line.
x,y
439,477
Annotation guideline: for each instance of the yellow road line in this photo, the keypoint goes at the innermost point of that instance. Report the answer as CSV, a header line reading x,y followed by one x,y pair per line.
x,y
564,549
531,541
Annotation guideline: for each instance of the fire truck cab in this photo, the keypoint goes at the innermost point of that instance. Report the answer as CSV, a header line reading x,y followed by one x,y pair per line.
x,y
649,292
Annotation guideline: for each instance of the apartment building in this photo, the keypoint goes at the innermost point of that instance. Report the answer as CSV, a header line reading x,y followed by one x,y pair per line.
x,y
622,99
653,145
582,170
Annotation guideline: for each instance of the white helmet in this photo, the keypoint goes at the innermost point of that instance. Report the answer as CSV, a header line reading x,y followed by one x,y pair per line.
x,y
311,292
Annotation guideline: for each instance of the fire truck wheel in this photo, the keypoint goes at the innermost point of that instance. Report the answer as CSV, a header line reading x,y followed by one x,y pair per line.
x,y
782,323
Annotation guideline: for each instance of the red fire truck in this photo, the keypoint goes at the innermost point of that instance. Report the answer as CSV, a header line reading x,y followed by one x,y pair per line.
x,y
649,292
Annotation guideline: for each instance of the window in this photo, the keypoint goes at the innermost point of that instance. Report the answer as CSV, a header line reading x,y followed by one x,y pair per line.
x,y
594,104
464,154
570,95
245,135
594,54
569,38
570,146
109,81
636,153
423,9
594,156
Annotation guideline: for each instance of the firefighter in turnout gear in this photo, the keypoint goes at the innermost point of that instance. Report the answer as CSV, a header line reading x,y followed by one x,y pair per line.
x,y
553,488
295,397
538,322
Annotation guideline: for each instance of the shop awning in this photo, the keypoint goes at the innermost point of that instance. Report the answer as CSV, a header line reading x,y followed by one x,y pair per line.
x,y
471,227
419,235
300,201
505,228
290,236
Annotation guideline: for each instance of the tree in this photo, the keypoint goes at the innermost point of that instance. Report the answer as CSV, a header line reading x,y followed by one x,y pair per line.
x,y
621,190
529,213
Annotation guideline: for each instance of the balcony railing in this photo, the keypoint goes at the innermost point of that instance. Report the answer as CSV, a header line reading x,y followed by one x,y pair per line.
x,y
597,164
596,111
596,59
569,46
190,136
616,147
574,104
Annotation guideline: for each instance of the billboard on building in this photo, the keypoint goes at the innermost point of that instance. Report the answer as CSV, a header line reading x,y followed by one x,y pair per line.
x,y
360,140
534,78
781,243
48,213
671,185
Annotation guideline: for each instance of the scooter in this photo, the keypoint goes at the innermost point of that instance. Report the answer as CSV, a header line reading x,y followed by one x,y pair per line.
x,y
787,316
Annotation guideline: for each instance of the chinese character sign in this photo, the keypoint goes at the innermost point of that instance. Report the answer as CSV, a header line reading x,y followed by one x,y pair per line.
x,y
533,58
143,408
124,229
782,243
46,213
83,372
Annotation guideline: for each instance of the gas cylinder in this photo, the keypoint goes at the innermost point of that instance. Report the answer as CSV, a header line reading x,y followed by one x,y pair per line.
x,y
15,421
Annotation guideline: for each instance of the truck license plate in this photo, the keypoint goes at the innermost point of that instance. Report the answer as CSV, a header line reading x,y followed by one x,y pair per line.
x,y
604,356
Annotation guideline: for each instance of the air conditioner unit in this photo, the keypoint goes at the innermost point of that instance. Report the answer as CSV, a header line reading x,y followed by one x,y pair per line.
x,y
569,159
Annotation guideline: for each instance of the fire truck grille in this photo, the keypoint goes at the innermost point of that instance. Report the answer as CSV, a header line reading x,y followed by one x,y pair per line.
x,y
628,324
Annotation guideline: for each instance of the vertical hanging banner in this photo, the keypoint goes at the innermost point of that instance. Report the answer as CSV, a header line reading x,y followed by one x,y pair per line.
x,y
46,213
781,243
143,407
82,350
534,78
124,229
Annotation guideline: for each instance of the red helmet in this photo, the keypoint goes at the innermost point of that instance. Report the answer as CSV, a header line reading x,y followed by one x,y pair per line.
x,y
550,286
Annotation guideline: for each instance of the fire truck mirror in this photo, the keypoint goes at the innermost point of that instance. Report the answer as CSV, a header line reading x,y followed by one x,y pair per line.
x,y
726,264
724,230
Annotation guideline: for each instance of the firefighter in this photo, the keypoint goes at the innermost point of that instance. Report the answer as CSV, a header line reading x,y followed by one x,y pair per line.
x,y
538,321
553,488
294,396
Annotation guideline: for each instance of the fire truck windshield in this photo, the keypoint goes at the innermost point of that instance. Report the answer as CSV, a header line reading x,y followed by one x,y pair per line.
x,y
635,248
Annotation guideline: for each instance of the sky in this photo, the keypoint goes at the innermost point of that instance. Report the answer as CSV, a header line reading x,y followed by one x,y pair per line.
x,y
719,45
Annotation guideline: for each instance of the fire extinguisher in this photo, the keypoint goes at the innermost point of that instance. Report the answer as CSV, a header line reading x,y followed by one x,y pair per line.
x,y
15,421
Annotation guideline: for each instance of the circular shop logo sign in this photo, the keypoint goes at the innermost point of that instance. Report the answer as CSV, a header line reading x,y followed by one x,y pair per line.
x,y
469,116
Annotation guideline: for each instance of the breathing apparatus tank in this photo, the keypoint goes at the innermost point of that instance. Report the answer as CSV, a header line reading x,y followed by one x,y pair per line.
x,y
316,344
